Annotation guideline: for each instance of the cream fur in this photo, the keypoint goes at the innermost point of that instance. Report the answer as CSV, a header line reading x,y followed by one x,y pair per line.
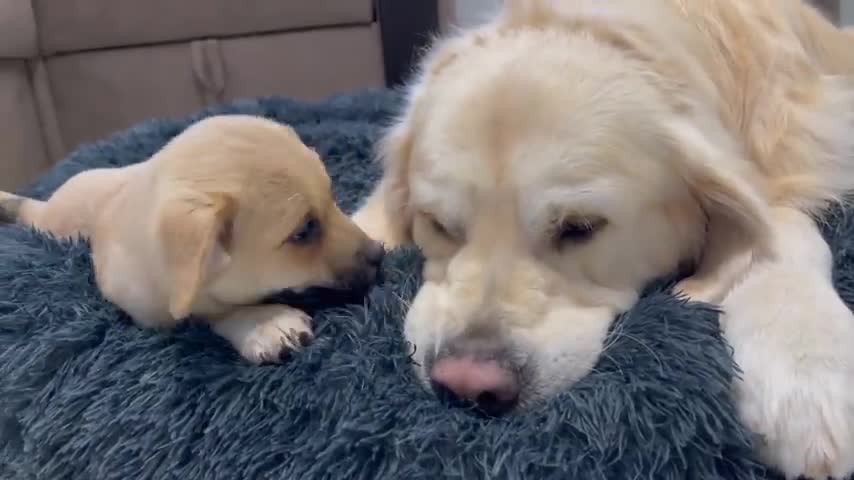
x,y
203,228
687,130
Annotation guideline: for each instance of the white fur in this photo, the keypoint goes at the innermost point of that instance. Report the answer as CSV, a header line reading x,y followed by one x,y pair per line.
x,y
700,130
261,333
793,337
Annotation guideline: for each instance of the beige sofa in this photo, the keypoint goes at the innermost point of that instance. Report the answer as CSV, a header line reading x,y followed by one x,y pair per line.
x,y
72,71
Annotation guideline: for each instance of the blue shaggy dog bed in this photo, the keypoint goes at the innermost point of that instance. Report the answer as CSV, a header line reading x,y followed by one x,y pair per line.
x,y
84,394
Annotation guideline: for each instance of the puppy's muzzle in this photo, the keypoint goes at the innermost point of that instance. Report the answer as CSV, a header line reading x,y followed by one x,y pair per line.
x,y
479,371
368,269
348,288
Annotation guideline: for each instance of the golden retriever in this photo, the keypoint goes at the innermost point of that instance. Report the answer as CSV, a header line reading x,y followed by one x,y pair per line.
x,y
234,209
553,161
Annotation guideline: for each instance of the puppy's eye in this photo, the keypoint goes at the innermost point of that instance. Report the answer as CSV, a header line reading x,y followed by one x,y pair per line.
x,y
306,233
579,230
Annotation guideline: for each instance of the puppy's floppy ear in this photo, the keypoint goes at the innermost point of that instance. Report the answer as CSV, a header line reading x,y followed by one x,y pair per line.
x,y
738,216
194,233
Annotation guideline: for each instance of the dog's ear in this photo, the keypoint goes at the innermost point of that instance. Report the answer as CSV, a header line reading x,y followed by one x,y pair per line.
x,y
386,215
395,151
194,232
738,216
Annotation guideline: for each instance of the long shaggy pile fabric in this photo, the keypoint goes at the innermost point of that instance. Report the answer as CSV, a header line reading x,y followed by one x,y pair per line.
x,y
85,394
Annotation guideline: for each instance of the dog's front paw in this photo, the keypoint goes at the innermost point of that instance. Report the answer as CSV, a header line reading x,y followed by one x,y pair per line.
x,y
795,391
793,339
266,334
803,417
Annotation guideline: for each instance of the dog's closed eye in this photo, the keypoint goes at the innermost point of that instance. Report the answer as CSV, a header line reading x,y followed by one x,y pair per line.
x,y
440,229
308,231
577,230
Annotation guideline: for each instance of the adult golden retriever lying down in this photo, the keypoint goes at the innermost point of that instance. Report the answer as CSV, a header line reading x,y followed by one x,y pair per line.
x,y
552,162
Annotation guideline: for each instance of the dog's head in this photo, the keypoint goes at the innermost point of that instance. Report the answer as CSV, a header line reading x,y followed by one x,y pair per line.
x,y
245,210
548,176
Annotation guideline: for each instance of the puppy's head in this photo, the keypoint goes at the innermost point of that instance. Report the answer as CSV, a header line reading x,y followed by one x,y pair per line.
x,y
245,210
547,176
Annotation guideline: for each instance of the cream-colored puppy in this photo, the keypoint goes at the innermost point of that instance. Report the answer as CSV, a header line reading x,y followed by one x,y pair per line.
x,y
234,209
553,161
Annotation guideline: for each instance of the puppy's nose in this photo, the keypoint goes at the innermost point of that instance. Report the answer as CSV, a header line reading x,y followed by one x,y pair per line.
x,y
374,253
367,270
492,387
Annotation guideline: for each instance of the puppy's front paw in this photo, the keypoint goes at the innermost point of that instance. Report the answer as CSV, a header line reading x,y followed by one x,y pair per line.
x,y
266,334
275,339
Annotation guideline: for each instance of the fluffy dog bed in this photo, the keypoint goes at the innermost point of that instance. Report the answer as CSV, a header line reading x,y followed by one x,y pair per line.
x,y
84,394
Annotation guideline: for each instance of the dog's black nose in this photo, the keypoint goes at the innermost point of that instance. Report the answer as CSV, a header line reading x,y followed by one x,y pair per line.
x,y
374,253
478,372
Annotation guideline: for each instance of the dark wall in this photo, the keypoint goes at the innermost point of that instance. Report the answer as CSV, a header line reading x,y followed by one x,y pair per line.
x,y
830,8
407,27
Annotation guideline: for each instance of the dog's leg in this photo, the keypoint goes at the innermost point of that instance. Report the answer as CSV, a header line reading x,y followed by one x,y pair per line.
x,y
793,338
265,333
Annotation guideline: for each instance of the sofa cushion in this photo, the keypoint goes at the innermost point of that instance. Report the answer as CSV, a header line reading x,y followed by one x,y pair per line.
x,y
72,25
17,29
22,151
306,65
97,92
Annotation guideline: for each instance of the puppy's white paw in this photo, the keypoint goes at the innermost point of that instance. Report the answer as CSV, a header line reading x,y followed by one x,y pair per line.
x,y
266,334
274,339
